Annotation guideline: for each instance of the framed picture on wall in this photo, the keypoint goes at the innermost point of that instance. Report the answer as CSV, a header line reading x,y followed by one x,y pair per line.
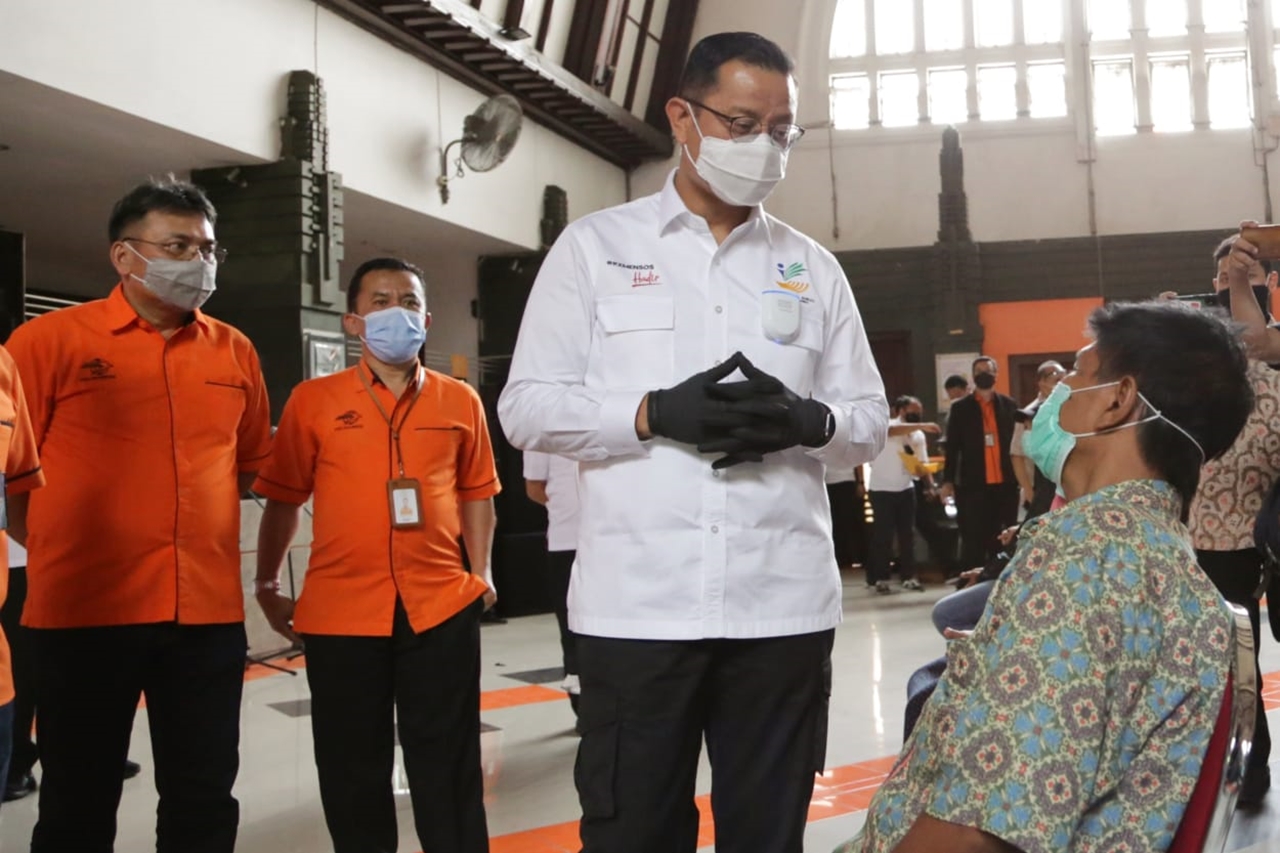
x,y
326,352
952,364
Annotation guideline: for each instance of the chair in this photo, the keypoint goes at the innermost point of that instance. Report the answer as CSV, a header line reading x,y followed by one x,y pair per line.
x,y
1207,820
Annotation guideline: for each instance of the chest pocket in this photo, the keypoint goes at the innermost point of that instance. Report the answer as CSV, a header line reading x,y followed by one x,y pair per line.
x,y
431,455
637,344
225,401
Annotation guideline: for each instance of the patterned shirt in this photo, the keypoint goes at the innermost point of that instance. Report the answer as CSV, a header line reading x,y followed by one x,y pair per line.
x,y
1233,486
1077,715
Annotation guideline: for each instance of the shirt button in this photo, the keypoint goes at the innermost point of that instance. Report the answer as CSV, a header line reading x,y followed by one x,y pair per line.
x,y
715,529
719,309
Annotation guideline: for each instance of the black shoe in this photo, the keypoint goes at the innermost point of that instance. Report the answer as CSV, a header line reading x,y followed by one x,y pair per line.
x,y
491,618
1257,781
19,787
131,769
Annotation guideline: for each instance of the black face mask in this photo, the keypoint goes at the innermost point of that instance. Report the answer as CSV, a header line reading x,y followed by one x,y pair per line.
x,y
1260,292
985,381
912,418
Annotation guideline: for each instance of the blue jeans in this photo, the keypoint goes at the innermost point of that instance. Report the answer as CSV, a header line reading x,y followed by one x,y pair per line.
x,y
962,609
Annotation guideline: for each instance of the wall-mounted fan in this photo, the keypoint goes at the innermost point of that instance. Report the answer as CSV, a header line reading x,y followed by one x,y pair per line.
x,y
488,135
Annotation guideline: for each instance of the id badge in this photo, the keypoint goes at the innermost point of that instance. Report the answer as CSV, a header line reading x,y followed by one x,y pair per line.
x,y
405,497
780,316
990,440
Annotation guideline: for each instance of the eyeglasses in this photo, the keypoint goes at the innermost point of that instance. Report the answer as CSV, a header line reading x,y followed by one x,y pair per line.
x,y
746,128
181,250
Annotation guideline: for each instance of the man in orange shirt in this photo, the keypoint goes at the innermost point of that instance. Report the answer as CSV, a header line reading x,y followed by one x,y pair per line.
x,y
399,462
151,417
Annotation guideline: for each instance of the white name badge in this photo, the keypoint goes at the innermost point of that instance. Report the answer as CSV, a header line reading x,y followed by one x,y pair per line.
x,y
780,315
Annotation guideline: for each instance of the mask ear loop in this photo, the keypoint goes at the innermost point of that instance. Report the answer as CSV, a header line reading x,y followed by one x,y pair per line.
x,y
1158,415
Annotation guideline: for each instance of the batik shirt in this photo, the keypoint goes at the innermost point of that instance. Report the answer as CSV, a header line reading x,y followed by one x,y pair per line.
x,y
1077,715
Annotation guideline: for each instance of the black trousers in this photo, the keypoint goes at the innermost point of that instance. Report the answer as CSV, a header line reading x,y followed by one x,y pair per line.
x,y
982,513
428,683
895,515
848,522
938,533
1237,574
646,707
88,682
560,567
24,755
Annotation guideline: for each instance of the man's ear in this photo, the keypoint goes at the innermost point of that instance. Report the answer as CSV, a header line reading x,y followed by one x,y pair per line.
x,y
353,325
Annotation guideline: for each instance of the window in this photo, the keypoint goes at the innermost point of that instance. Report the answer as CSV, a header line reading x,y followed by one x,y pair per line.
x,y
1042,21
1113,96
993,22
1166,17
899,98
943,24
1109,19
997,92
1171,93
1047,89
1228,90
1223,16
849,31
850,101
895,26
948,95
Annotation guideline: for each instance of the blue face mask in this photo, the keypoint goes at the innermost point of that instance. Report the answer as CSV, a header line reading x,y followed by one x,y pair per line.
x,y
1048,445
394,335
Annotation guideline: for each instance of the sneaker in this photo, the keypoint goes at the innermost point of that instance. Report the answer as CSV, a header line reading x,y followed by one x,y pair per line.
x,y
882,588
1257,781
912,583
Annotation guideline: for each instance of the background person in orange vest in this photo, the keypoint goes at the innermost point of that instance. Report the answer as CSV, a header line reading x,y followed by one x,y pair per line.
x,y
151,418
399,462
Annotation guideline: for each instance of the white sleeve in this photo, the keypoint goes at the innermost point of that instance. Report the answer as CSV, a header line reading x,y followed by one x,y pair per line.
x,y
537,466
1015,444
546,405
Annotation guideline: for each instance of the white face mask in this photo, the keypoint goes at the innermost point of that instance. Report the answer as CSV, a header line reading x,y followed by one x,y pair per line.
x,y
742,174
182,284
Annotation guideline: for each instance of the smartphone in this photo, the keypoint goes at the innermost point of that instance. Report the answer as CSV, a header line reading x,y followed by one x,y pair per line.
x,y
1199,300
1222,299
1266,238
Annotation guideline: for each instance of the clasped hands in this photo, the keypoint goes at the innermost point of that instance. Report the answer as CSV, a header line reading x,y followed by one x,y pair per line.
x,y
743,420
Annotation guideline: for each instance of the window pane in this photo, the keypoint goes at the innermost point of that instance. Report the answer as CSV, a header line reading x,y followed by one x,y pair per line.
x,y
943,24
1228,91
1047,86
850,101
895,26
899,99
1166,17
948,95
1113,97
849,29
1109,19
1223,16
997,92
1171,93
993,22
1042,21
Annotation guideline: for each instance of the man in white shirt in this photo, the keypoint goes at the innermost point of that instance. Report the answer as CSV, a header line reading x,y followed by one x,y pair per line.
x,y
891,486
704,597
553,482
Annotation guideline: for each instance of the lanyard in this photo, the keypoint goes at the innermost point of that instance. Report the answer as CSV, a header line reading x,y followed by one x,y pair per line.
x,y
389,418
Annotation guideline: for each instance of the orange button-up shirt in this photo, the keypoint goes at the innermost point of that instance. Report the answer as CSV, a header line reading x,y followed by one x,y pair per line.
x,y
21,474
335,444
142,440
991,441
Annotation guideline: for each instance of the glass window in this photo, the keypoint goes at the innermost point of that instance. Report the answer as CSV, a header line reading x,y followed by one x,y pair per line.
x,y
1047,87
943,24
993,22
1042,21
895,26
1223,16
850,101
1109,19
997,92
849,29
1171,93
948,95
1166,17
899,98
1113,96
1228,90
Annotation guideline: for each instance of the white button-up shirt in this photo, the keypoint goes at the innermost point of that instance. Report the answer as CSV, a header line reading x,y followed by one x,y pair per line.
x,y
637,298
561,477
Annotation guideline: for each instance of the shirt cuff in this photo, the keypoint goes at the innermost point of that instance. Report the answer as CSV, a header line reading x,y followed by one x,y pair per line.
x,y
618,423
280,492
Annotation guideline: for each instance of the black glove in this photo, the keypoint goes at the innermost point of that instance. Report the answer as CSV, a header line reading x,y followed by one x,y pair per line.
x,y
779,418
689,414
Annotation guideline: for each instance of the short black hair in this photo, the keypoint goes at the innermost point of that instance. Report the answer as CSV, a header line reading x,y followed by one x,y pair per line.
x,y
702,68
900,403
1049,368
995,366
955,380
1224,249
373,265
1191,367
167,195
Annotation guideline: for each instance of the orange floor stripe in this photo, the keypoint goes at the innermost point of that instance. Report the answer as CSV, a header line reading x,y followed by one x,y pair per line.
x,y
511,697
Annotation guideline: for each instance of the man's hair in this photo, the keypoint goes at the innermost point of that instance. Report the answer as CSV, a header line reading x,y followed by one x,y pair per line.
x,y
1047,369
1191,367
702,68
900,403
988,359
167,195
373,265
1224,249
955,380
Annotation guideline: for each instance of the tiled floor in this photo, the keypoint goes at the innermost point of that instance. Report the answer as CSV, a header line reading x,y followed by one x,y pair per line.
x,y
529,745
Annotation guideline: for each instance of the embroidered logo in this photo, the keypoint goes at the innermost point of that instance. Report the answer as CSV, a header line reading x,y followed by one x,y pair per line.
x,y
97,368
349,419
789,275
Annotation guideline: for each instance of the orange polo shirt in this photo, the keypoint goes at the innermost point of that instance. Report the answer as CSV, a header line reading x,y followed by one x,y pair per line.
x,y
142,440
991,441
21,474
335,444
